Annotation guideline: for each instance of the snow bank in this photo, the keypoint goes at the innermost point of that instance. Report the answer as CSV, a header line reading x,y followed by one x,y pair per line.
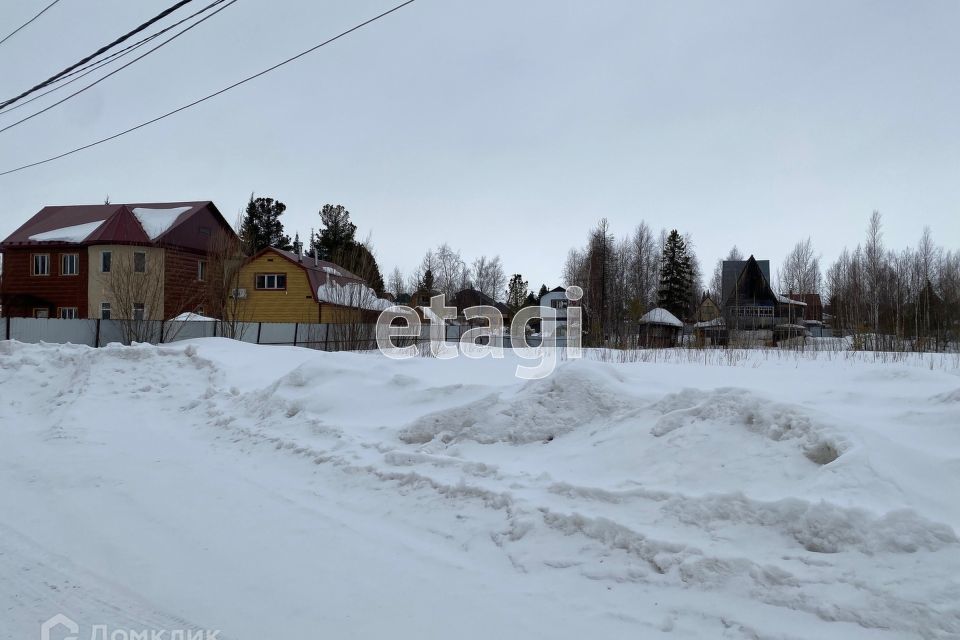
x,y
273,491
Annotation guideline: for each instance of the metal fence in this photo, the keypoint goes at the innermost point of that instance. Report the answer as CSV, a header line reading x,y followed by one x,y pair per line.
x,y
327,336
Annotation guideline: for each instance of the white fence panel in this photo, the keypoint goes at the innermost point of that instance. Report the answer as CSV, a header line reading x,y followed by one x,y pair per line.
x,y
277,333
53,330
247,331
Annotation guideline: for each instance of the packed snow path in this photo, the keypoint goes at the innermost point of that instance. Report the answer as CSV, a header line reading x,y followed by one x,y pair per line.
x,y
275,492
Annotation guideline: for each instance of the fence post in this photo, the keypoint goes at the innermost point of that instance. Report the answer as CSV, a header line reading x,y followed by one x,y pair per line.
x,y
296,330
259,327
96,342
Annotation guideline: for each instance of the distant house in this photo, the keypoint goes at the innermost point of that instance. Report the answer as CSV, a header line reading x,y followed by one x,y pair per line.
x,y
557,299
751,312
281,286
658,328
707,310
148,261
466,298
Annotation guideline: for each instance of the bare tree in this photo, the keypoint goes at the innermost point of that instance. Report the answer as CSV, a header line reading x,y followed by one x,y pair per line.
x,y
224,296
488,276
800,271
134,286
395,283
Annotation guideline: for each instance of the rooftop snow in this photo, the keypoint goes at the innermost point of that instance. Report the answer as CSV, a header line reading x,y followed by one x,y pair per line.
x,y
355,295
76,233
785,300
156,222
660,316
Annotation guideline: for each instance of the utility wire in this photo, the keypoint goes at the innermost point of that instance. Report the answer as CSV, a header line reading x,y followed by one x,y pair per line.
x,y
96,64
163,14
42,11
119,69
212,95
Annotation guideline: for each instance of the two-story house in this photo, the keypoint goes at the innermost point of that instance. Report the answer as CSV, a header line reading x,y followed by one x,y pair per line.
x,y
275,285
146,261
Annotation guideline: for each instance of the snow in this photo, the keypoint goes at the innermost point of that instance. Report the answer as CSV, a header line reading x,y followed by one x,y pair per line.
x,y
716,322
660,316
785,300
76,233
280,492
356,295
192,317
156,222
331,271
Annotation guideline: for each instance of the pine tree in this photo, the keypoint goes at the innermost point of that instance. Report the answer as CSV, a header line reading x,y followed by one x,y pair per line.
x,y
427,284
516,292
337,232
261,226
676,276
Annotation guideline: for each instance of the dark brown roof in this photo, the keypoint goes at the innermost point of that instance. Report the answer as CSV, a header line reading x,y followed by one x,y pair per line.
x,y
120,224
471,297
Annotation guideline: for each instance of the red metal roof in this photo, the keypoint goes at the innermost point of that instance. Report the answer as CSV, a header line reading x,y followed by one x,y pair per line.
x,y
120,224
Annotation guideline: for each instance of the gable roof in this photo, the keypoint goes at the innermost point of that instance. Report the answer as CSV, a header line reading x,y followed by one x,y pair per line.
x,y
752,282
318,274
732,270
135,223
472,297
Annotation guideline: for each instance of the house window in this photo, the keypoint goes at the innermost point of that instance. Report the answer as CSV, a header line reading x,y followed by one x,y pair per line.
x,y
562,303
104,310
106,258
67,313
138,311
41,312
271,281
139,262
201,270
69,264
41,264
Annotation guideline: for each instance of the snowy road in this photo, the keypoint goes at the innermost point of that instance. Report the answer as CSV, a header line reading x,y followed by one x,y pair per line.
x,y
274,492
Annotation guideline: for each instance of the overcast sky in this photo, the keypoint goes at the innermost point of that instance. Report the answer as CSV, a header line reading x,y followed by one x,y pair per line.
x,y
511,126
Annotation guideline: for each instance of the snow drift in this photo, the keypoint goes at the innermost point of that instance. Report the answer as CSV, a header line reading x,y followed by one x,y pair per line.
x,y
282,492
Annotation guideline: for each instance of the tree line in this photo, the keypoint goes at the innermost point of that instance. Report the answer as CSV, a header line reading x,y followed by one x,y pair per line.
x,y
886,298
624,278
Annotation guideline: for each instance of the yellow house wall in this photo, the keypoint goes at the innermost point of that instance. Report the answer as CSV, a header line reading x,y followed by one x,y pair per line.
x,y
295,304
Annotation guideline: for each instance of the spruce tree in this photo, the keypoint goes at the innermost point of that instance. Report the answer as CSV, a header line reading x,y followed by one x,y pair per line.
x,y
516,292
676,276
543,292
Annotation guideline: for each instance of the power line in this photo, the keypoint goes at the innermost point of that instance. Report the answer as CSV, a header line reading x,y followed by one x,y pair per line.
x,y
119,69
212,95
96,64
42,11
123,38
